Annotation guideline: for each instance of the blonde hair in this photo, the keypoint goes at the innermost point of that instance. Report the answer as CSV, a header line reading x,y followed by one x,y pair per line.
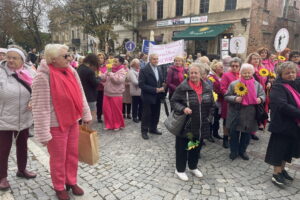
x,y
53,50
214,64
249,58
179,57
204,59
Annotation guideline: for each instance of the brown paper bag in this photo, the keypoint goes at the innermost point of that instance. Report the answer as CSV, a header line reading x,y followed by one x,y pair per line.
x,y
88,145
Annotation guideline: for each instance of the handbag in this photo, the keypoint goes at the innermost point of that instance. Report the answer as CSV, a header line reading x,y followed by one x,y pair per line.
x,y
175,122
261,115
88,145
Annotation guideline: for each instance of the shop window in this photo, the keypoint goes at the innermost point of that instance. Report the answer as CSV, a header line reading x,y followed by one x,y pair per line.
x,y
204,6
144,11
160,9
230,5
179,7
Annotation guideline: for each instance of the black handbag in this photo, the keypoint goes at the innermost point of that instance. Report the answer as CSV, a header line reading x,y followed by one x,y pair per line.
x,y
261,114
176,122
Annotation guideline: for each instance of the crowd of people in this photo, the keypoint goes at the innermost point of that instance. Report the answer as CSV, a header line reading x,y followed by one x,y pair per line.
x,y
60,90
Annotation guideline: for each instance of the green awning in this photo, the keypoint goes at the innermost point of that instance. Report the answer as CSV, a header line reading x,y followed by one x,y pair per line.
x,y
201,32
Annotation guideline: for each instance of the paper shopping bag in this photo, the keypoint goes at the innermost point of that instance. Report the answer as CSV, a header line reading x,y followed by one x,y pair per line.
x,y
88,145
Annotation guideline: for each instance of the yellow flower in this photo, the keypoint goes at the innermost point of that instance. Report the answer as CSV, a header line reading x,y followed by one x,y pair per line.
x,y
212,79
240,89
282,58
215,95
186,76
264,72
272,75
109,66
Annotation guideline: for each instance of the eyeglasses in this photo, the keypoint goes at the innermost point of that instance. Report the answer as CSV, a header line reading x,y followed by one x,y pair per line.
x,y
65,56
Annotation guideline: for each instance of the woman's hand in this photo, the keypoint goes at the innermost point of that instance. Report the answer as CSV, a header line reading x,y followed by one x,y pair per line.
x,y
29,106
258,100
238,99
187,111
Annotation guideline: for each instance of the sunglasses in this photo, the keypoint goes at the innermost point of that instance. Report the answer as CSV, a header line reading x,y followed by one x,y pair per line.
x,y
66,56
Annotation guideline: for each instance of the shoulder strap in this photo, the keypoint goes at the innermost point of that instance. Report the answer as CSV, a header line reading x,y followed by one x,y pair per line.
x,y
22,82
187,99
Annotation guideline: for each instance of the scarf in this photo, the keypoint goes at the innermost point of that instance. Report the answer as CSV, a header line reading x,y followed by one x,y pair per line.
x,y
197,88
66,96
180,70
250,97
296,96
24,75
117,68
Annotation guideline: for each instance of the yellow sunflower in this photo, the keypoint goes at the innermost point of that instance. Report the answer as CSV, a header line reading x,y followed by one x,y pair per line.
x,y
272,75
240,89
212,79
109,67
186,76
264,72
282,58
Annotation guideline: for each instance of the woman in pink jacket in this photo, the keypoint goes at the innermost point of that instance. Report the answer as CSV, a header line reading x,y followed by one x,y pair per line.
x,y
227,78
114,86
265,56
58,102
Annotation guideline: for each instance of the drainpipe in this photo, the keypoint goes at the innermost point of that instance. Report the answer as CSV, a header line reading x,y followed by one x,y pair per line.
x,y
286,9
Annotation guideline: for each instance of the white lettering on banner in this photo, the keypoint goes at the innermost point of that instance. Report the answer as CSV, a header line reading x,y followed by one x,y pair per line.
x,y
167,52
180,21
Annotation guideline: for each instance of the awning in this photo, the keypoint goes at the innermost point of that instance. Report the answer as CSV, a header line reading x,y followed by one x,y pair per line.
x,y
201,32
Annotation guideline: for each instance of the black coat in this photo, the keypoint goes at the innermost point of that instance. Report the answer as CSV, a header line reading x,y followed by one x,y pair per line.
x,y
148,84
199,119
89,82
284,109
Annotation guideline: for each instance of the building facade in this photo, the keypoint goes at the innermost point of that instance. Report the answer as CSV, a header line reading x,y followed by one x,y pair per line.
x,y
255,20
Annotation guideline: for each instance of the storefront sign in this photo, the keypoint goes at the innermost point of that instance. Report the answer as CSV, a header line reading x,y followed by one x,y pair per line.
x,y
181,21
237,45
200,19
167,52
224,44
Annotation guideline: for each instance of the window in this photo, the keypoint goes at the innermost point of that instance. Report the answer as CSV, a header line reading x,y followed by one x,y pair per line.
x,y
160,10
73,34
230,5
179,7
128,15
144,11
204,6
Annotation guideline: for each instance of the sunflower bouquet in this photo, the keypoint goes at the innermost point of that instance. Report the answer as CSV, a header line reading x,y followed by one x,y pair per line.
x,y
240,89
185,76
264,72
272,75
211,79
192,144
109,67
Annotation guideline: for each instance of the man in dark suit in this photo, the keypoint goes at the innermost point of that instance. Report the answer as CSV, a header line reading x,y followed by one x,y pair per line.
x,y
151,84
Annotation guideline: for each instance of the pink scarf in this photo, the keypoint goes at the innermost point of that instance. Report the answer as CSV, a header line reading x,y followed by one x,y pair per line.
x,y
197,88
296,96
24,75
268,64
117,68
250,97
180,70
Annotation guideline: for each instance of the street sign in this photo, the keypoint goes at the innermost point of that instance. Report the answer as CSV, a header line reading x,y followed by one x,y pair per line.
x,y
281,40
130,46
237,45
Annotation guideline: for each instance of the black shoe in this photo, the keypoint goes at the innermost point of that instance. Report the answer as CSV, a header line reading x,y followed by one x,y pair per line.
x,y
278,179
145,136
156,132
244,156
254,137
286,175
100,121
225,142
233,156
135,120
211,139
216,135
129,116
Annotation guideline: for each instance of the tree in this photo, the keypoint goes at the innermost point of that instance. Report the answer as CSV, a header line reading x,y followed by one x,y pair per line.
x,y
98,17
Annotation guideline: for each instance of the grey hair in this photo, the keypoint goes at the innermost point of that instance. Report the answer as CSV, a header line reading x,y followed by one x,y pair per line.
x,y
200,66
247,66
236,59
286,65
134,61
152,55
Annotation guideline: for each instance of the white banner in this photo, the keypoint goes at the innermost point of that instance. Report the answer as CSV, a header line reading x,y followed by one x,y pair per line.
x,y
167,52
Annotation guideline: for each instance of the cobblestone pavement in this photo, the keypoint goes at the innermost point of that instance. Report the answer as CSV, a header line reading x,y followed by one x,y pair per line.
x,y
132,168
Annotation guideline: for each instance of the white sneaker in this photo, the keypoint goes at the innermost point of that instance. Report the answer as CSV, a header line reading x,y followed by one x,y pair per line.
x,y
182,175
196,172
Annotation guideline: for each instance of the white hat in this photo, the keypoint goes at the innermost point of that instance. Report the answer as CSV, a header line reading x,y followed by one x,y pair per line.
x,y
3,50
